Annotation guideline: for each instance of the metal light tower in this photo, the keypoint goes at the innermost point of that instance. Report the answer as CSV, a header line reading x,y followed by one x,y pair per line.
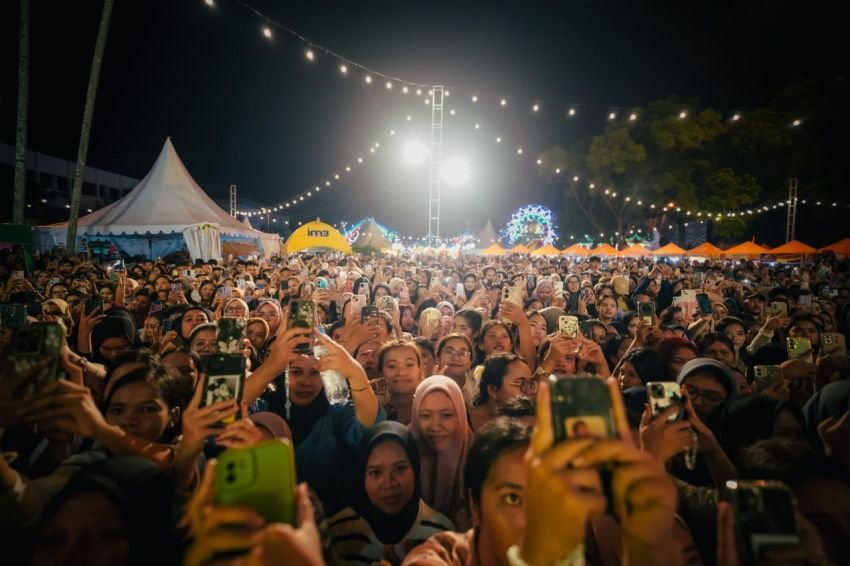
x,y
232,200
791,221
436,163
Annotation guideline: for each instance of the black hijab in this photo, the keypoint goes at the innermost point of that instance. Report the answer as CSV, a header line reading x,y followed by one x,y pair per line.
x,y
302,419
390,529
117,324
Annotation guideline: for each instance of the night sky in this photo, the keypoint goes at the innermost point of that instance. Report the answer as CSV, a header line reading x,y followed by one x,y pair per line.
x,y
252,112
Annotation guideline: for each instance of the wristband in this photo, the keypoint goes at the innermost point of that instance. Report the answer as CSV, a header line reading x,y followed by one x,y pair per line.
x,y
575,558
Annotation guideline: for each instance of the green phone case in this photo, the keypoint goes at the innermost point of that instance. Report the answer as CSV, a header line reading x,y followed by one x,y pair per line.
x,y
260,477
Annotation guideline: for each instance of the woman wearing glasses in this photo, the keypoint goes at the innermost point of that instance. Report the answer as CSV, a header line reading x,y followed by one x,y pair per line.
x,y
454,359
505,377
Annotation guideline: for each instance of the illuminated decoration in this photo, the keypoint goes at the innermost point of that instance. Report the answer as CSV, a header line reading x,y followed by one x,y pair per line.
x,y
352,232
532,225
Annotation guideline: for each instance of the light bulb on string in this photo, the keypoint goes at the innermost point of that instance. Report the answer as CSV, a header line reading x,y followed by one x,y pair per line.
x,y
310,55
418,91
389,85
368,79
503,102
474,98
571,112
477,126
343,69
612,115
683,115
632,117
209,3
535,108
267,31
405,90
736,117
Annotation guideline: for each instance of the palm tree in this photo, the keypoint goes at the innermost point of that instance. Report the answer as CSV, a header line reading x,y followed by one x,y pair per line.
x,y
85,131
23,102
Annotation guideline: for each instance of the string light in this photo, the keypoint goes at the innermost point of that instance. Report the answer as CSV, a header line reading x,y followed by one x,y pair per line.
x,y
572,112
796,122
632,117
404,89
736,117
477,126
267,31
209,3
343,69
368,79
310,55
389,85
503,102
474,98
612,115
535,108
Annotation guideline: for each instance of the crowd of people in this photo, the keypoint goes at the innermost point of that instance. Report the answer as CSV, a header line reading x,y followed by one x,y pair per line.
x,y
424,404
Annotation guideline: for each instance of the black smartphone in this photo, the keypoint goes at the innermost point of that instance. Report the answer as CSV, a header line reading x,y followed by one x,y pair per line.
x,y
646,312
33,344
225,379
369,314
94,302
764,517
581,408
302,314
229,335
586,329
704,303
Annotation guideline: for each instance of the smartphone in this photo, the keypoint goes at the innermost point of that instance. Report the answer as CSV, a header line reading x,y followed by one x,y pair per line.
x,y
559,288
798,347
665,394
38,342
764,517
833,343
386,303
260,477
18,274
94,302
155,307
704,303
302,314
646,312
188,274
229,335
224,291
765,376
698,278
460,290
581,408
778,308
358,302
13,316
177,288
431,318
370,315
512,295
804,300
118,266
225,379
321,283
568,325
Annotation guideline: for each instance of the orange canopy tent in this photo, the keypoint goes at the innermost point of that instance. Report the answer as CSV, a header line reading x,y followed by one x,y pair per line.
x,y
518,249
547,250
670,249
493,250
746,250
794,247
604,249
635,250
706,250
576,250
839,248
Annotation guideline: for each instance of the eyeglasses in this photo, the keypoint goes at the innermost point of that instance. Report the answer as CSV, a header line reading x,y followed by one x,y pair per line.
x,y
457,354
526,385
709,396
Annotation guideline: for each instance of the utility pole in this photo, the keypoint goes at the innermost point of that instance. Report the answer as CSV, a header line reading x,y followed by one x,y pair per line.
x,y
23,104
85,131
436,164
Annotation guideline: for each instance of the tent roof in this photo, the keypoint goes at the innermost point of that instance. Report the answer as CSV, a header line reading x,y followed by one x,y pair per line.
x,y
706,249
548,249
635,250
518,249
371,236
750,249
794,247
494,249
316,235
167,200
604,249
247,223
576,249
488,235
670,249
841,247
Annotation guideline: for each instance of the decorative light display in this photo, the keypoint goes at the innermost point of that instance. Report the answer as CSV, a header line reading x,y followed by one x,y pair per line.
x,y
532,224
352,232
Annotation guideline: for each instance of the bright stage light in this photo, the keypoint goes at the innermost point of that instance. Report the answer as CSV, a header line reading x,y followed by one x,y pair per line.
x,y
414,152
455,171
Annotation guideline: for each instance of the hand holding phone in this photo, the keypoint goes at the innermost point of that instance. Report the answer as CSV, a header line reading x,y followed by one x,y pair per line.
x,y
302,314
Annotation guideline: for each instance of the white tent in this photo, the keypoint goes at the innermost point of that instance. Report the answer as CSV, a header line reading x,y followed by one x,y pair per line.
x,y
372,237
247,223
487,236
167,211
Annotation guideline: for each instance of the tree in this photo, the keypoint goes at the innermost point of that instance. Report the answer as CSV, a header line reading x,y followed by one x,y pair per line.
x,y
21,128
85,130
